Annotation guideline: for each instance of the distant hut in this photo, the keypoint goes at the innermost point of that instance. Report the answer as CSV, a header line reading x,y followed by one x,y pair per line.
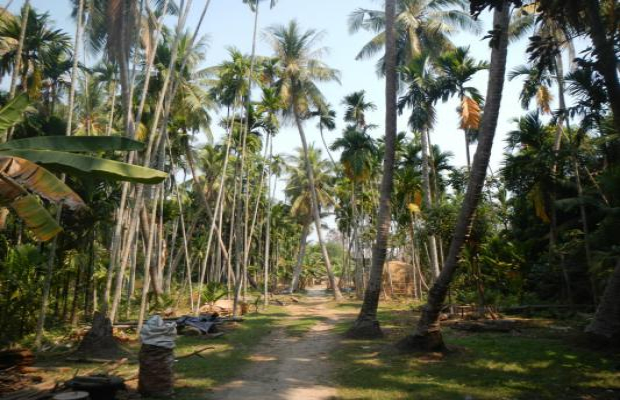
x,y
398,279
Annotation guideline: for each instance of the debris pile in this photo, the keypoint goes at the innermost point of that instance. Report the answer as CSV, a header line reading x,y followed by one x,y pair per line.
x,y
155,377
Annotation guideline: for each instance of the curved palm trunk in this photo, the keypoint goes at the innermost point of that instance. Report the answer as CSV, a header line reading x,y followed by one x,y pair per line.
x,y
427,335
329,154
367,324
315,210
300,257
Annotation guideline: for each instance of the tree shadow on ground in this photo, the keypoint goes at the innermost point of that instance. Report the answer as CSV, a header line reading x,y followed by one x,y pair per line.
x,y
196,376
481,366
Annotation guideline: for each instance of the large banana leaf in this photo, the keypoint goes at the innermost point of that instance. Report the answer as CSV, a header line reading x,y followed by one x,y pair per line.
x,y
19,174
12,112
36,217
86,144
92,166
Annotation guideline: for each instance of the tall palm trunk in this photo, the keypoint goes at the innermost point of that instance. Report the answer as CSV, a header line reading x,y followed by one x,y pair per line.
x,y
267,232
18,61
110,123
367,324
315,209
303,240
147,277
357,248
467,153
52,256
20,49
427,335
219,202
416,294
428,201
165,92
246,131
329,154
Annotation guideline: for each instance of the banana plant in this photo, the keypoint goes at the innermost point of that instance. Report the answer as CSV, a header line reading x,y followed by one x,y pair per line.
x,y
27,166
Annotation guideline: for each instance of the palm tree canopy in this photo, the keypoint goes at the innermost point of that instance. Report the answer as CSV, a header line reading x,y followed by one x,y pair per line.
x,y
421,25
298,186
253,4
424,88
359,153
327,117
44,46
300,67
356,108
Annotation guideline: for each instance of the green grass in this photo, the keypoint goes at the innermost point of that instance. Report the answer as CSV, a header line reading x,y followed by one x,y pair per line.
x,y
195,376
300,326
481,366
536,363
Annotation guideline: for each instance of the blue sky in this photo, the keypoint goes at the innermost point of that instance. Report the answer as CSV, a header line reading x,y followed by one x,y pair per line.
x,y
230,23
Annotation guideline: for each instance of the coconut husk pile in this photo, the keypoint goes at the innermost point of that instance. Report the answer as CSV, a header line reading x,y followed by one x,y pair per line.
x,y
155,377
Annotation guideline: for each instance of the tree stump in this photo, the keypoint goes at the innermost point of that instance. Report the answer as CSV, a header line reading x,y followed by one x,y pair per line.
x,y
99,342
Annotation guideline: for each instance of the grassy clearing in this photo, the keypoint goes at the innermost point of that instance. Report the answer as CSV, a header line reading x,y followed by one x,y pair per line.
x,y
536,364
195,376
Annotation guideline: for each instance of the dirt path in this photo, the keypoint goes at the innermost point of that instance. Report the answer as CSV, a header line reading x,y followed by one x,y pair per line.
x,y
288,368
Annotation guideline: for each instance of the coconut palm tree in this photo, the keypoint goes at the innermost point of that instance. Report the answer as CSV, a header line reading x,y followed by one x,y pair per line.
x,y
41,46
421,26
359,157
357,107
358,154
427,335
424,89
366,324
90,119
299,191
301,70
55,81
458,68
